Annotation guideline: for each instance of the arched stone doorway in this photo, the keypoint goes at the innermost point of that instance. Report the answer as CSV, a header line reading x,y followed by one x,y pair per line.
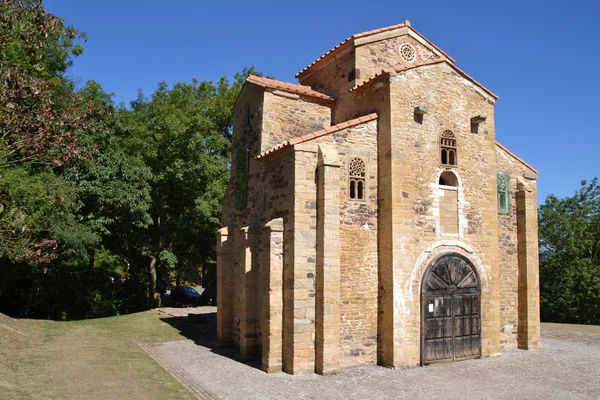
x,y
451,311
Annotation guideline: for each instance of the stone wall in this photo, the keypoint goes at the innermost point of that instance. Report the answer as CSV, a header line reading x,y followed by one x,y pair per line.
x,y
288,115
334,77
509,260
414,169
358,256
372,58
448,205
387,240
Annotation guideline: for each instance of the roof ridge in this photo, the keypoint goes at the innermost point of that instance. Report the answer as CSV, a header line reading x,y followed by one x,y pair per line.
x,y
321,132
373,32
288,87
355,36
403,67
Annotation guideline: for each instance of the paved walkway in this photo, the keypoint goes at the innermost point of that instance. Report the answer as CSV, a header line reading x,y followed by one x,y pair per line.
x,y
562,369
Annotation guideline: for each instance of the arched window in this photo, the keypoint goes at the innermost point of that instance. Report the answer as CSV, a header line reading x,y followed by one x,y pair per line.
x,y
356,179
447,178
448,148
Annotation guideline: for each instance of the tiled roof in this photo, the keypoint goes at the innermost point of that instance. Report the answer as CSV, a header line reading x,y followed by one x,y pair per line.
x,y
288,87
369,33
513,155
404,67
319,133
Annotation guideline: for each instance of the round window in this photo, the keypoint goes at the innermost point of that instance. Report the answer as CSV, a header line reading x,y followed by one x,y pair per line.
x,y
407,52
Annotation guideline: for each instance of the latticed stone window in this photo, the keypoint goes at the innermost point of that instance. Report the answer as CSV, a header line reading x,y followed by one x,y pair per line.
x,y
357,173
503,184
448,148
407,52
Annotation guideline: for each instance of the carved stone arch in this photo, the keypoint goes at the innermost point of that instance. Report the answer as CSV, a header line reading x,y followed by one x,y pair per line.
x,y
442,248
451,269
443,172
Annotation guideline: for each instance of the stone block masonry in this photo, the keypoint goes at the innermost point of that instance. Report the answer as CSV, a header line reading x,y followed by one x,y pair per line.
x,y
342,199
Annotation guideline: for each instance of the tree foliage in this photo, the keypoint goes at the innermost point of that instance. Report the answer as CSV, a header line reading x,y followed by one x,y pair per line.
x,y
183,135
41,120
97,202
569,233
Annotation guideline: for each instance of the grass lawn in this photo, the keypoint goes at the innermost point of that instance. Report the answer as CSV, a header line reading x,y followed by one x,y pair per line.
x,y
92,359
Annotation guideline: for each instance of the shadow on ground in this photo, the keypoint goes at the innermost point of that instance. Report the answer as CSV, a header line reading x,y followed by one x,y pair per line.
x,y
201,329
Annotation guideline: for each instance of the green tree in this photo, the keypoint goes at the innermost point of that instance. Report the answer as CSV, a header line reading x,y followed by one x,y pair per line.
x,y
569,233
183,135
112,187
68,190
41,120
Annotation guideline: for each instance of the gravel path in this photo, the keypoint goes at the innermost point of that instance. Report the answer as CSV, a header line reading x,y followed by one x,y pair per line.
x,y
567,366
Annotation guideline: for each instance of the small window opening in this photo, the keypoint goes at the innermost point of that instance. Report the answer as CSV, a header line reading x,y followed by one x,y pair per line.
x,y
447,178
356,179
352,189
352,75
474,128
448,148
475,121
418,114
451,157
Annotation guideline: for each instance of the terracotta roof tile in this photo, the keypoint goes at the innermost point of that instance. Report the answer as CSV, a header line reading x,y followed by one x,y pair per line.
x,y
513,155
288,87
319,133
355,36
404,67
373,32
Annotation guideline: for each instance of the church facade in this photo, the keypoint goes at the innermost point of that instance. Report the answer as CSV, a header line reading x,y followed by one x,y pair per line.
x,y
373,218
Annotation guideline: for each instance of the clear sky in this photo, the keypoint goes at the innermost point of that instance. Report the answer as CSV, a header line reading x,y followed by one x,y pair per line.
x,y
540,57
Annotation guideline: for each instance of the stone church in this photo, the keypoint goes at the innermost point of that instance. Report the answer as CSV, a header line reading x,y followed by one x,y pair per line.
x,y
373,218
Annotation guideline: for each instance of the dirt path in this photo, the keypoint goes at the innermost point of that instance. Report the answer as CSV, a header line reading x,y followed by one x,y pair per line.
x,y
588,334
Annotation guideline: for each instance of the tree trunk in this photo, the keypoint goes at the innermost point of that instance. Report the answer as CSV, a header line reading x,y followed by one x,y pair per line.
x,y
154,299
92,257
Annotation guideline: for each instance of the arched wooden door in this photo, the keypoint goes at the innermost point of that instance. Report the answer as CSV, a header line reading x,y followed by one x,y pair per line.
x,y
451,311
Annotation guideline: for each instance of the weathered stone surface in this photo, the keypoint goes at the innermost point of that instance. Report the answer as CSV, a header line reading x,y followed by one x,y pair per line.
x,y
336,281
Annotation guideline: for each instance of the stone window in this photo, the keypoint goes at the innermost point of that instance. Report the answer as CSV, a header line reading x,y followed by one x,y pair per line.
x,y
447,178
407,52
448,148
503,183
357,172
241,176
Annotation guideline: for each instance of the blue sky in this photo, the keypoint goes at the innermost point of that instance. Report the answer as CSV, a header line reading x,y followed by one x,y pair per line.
x,y
540,57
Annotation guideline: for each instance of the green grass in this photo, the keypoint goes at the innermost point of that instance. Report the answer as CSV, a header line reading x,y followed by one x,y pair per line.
x,y
92,359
